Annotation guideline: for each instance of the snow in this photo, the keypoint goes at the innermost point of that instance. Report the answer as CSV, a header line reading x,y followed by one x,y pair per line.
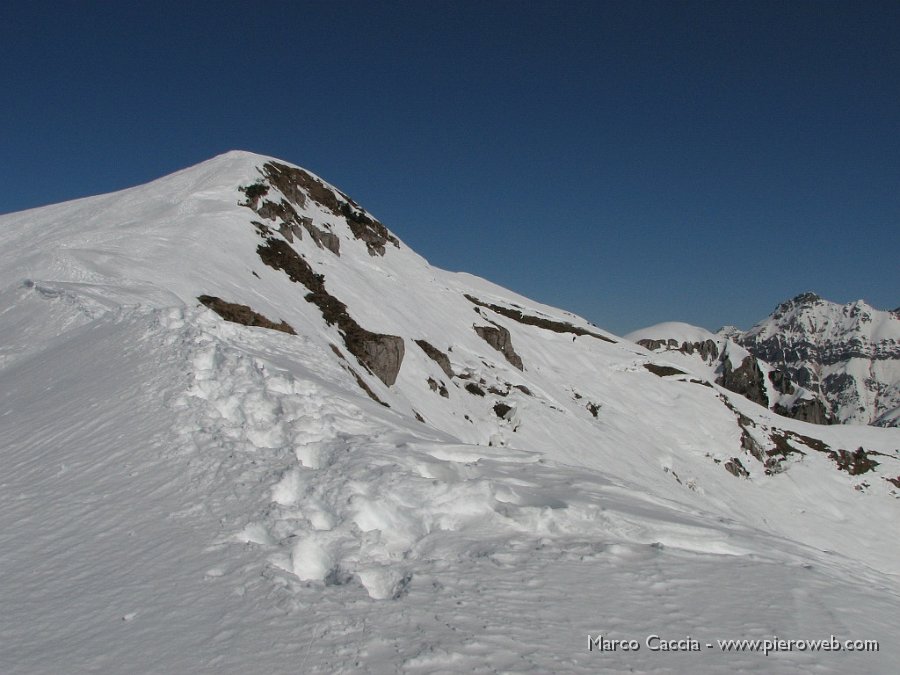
x,y
673,330
183,494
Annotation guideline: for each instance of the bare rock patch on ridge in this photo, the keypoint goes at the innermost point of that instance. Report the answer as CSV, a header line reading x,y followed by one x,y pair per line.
x,y
382,354
242,314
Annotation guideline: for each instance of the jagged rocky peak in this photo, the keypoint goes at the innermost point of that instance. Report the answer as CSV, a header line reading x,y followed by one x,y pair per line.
x,y
805,299
848,355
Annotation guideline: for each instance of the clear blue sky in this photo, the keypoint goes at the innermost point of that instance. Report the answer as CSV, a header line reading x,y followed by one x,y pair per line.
x,y
634,162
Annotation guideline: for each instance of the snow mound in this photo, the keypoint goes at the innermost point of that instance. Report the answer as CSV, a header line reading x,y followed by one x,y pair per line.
x,y
672,330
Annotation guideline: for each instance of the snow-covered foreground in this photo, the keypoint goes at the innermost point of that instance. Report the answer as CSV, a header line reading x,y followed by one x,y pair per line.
x,y
183,494
170,528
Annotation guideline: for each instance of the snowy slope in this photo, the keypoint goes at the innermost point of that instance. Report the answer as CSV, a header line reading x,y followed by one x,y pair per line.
x,y
183,493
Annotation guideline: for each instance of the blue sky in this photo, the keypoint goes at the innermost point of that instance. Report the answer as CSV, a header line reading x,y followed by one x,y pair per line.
x,y
634,162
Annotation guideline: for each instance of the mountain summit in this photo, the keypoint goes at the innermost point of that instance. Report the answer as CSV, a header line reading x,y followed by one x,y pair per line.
x,y
245,427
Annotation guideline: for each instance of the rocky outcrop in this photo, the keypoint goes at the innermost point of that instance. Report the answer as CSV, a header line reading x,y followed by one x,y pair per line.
x,y
805,410
381,354
855,462
540,322
708,350
438,387
663,371
502,410
746,380
736,468
657,345
473,388
437,356
242,314
781,382
299,187
499,338
296,185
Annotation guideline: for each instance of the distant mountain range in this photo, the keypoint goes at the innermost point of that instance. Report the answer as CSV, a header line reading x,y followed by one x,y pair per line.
x,y
810,359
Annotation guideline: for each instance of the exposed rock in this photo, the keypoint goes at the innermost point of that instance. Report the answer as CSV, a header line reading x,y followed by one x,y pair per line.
x,y
278,210
746,380
736,469
806,410
366,388
439,387
707,349
473,388
663,371
500,339
501,410
381,354
254,193
593,408
285,179
324,239
288,230
781,381
296,184
525,390
437,356
854,463
242,314
540,322
749,444
291,224
656,345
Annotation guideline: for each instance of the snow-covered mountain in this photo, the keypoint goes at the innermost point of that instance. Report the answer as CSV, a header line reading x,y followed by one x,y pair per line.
x,y
848,354
811,359
244,428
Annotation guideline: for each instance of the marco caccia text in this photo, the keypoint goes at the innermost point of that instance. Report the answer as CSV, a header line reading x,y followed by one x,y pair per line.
x,y
653,643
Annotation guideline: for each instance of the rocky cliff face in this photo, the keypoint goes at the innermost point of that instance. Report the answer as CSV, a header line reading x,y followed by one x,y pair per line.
x,y
848,355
